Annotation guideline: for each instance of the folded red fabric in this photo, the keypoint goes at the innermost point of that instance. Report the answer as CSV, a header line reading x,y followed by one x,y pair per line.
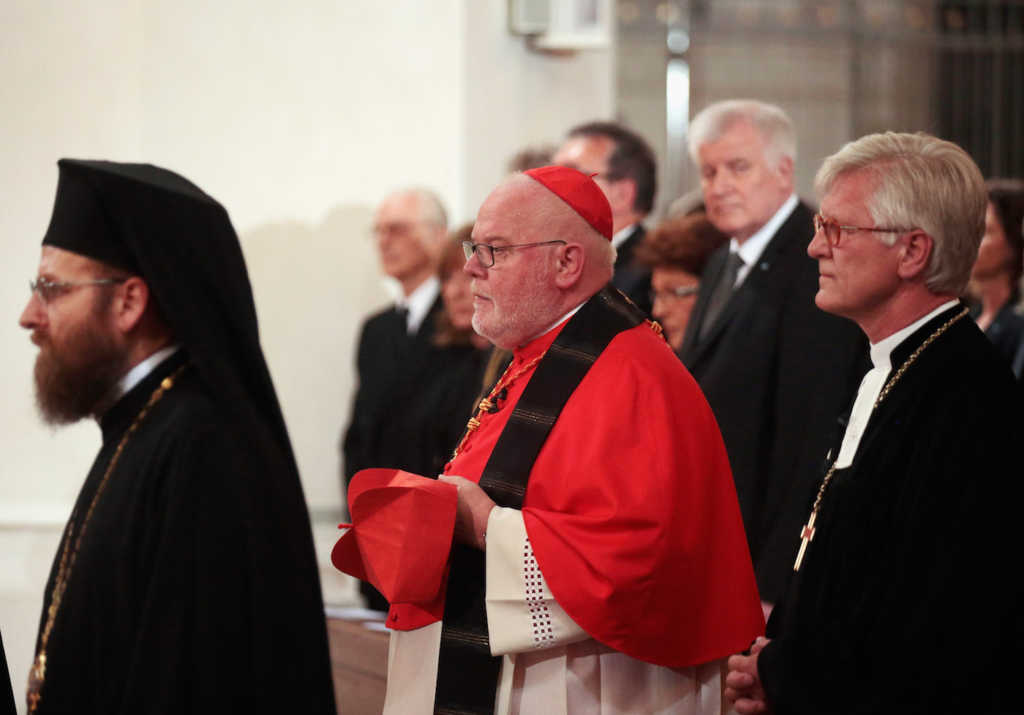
x,y
400,536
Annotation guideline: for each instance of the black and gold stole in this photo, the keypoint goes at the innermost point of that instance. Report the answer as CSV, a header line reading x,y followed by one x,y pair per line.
x,y
467,676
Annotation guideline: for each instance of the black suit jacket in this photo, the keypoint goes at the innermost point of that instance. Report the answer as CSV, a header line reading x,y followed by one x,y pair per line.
x,y
632,277
777,372
393,368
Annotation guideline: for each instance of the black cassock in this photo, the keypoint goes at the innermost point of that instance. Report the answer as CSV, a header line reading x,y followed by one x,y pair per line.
x,y
195,588
6,693
909,598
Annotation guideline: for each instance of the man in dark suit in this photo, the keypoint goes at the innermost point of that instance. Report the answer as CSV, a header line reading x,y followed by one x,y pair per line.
x,y
627,173
396,344
774,367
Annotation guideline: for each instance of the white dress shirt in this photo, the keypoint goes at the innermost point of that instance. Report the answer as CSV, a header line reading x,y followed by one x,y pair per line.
x,y
751,249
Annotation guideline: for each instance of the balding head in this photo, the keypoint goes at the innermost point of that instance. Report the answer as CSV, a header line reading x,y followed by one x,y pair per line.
x,y
529,288
410,227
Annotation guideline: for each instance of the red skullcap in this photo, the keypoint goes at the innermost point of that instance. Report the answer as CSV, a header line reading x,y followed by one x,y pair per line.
x,y
580,192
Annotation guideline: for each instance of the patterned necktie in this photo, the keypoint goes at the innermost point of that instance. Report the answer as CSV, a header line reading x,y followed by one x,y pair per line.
x,y
723,290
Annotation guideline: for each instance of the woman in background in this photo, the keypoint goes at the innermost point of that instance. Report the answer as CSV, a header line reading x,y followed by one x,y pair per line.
x,y
461,354
677,251
995,278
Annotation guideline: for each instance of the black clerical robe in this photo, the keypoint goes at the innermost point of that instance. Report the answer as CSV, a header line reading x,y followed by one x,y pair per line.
x,y
195,588
909,597
6,692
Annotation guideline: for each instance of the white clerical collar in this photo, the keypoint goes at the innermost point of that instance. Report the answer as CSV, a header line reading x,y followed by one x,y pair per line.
x,y
881,352
138,373
751,249
622,234
871,386
555,324
418,303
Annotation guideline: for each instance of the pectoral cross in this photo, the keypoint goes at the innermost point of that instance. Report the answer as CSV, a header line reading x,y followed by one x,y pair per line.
x,y
806,534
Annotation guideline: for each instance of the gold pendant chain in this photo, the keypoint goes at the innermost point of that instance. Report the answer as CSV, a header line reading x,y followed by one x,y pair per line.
x,y
807,531
490,401
37,675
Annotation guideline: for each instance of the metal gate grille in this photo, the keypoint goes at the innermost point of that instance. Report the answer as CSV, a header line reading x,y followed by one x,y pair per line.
x,y
841,68
979,92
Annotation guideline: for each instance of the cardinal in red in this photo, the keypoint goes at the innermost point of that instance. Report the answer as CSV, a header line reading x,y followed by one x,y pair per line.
x,y
599,561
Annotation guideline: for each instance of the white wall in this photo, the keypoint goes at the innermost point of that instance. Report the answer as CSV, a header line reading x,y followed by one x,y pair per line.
x,y
298,118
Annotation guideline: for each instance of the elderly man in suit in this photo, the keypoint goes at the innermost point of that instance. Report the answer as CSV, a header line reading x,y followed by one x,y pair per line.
x,y
774,367
396,344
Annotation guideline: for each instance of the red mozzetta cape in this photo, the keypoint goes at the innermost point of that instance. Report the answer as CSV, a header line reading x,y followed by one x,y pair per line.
x,y
631,509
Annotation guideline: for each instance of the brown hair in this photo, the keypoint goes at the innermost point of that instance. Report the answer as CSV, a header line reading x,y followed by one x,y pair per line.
x,y
683,242
452,259
1007,197
532,157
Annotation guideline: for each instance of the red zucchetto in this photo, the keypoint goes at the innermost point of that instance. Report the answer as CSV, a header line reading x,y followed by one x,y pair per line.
x,y
580,191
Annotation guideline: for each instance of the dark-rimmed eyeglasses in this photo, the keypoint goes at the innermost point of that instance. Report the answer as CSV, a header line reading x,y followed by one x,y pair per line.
x,y
832,230
48,290
674,293
485,252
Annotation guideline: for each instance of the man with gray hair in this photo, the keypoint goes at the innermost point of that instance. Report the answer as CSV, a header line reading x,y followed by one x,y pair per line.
x,y
901,600
393,360
773,366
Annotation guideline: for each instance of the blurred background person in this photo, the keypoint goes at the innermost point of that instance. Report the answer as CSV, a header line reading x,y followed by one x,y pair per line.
x,y
995,278
677,251
531,157
458,361
624,166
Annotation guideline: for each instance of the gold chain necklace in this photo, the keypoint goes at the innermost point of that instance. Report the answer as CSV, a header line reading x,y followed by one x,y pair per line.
x,y
807,532
488,402
37,675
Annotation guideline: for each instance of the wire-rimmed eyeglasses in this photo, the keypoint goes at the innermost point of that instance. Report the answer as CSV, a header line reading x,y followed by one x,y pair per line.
x,y
48,290
832,230
485,252
674,293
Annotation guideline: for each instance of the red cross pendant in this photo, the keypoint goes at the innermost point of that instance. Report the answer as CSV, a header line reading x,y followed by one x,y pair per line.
x,y
806,534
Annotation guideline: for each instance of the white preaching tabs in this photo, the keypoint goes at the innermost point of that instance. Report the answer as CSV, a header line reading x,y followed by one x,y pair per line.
x,y
872,384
